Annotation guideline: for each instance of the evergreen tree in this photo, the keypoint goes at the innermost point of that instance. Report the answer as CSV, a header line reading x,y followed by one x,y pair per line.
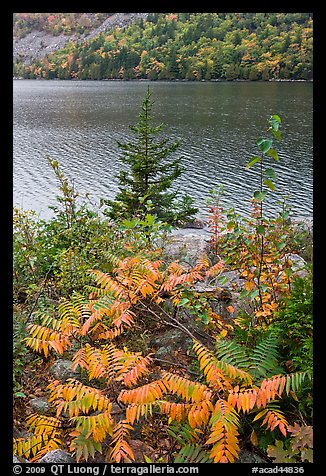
x,y
144,185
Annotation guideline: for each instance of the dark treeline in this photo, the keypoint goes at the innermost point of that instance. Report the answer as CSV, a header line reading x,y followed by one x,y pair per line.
x,y
187,46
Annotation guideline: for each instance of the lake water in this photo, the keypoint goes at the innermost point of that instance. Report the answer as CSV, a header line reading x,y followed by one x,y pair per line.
x,y
79,123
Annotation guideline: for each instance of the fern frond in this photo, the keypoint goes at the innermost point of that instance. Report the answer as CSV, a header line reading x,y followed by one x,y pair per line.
x,y
50,444
110,334
113,259
224,435
174,280
43,339
288,382
42,424
245,400
192,453
216,269
99,363
123,315
296,379
218,372
97,426
45,438
139,369
184,433
264,357
106,282
136,411
269,389
121,451
73,312
273,418
202,263
95,317
74,397
175,268
185,388
84,446
145,394
232,353
176,411
34,447
200,413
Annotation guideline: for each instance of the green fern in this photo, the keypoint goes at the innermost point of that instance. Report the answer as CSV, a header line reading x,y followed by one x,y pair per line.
x,y
260,362
189,439
192,453
264,358
232,353
296,379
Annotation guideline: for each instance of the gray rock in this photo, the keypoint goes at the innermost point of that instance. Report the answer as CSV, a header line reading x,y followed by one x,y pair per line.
x,y
164,353
57,456
246,456
61,370
230,280
18,459
304,224
186,247
21,434
197,223
40,405
169,342
172,339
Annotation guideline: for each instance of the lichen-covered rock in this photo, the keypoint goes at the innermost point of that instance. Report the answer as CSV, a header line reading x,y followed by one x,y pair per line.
x,y
187,247
40,405
169,342
197,223
57,456
61,370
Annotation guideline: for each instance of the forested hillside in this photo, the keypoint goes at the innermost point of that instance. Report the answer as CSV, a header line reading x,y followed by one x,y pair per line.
x,y
169,46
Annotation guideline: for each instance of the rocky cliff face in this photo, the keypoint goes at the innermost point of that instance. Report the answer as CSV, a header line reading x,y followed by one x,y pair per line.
x,y
38,44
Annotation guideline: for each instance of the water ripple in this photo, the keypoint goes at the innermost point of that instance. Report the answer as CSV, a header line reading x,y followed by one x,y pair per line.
x,y
79,124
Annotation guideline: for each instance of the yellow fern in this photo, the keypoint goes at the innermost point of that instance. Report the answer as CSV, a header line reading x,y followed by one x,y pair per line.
x,y
43,339
273,418
135,411
95,426
145,394
224,433
185,388
218,373
75,398
46,432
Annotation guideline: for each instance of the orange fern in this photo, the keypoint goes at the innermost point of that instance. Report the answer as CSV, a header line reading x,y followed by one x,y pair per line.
x,y
121,451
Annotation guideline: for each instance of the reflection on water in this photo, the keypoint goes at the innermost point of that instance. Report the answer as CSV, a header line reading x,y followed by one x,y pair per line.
x,y
79,123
